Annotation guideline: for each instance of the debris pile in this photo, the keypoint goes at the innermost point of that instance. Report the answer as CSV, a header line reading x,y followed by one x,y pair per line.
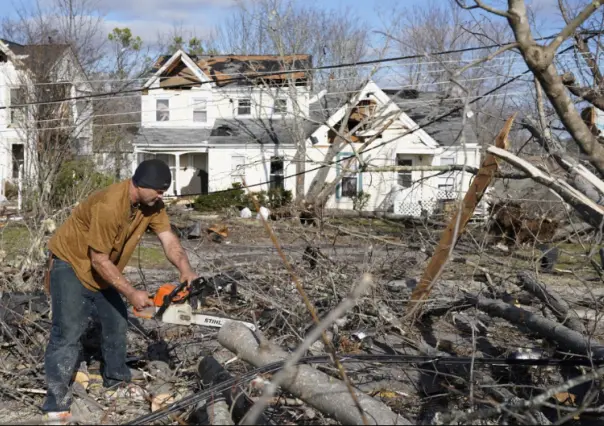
x,y
496,332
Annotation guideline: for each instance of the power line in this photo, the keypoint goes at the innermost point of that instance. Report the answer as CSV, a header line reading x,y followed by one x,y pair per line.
x,y
386,359
283,72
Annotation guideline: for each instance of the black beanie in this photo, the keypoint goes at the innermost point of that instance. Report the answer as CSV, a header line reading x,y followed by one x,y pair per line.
x,y
154,174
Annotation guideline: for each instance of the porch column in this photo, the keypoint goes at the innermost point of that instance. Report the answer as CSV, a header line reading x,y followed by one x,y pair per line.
x,y
176,173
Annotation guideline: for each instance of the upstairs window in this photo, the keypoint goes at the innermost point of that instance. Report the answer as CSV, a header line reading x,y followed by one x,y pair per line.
x,y
200,110
17,97
162,110
280,106
244,106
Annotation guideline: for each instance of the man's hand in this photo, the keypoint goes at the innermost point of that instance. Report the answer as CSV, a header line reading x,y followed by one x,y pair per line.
x,y
139,299
188,277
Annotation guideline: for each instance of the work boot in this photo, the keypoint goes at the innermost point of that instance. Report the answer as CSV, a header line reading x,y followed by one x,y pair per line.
x,y
57,418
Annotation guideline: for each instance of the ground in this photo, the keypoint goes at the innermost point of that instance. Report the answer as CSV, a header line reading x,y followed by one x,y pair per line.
x,y
394,252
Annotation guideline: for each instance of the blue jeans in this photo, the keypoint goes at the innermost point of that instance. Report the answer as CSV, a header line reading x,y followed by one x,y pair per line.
x,y
72,305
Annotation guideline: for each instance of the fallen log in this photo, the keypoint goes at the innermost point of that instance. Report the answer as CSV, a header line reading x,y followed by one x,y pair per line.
x,y
562,335
552,300
321,391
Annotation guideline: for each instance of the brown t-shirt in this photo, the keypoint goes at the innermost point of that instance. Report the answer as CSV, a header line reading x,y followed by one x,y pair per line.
x,y
107,222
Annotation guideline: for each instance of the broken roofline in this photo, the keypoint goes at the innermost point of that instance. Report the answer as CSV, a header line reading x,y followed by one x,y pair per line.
x,y
223,69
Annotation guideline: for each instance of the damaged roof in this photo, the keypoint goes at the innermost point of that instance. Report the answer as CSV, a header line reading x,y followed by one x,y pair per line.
x,y
38,55
425,106
227,132
223,68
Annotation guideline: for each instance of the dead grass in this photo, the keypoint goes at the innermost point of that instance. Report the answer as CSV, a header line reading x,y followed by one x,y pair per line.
x,y
14,240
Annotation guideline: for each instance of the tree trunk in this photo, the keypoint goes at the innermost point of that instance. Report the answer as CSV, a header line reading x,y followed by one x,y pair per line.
x,y
321,391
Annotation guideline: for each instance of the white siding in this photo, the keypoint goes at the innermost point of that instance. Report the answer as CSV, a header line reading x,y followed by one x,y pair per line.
x,y
221,104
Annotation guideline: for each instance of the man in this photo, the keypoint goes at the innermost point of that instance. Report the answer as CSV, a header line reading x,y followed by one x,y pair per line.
x,y
88,254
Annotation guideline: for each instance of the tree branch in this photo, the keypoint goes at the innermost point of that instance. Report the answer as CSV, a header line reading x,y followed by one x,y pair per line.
x,y
448,168
563,336
587,209
478,4
574,24
590,95
552,300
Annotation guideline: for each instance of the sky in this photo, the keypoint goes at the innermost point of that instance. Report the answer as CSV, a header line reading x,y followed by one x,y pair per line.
x,y
147,18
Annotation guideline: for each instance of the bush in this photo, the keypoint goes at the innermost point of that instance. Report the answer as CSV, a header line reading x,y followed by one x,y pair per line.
x,y
239,198
279,197
11,191
220,200
76,180
360,201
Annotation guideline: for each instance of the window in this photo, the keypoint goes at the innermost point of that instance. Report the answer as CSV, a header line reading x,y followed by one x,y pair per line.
x,y
237,168
162,110
276,173
405,179
244,107
17,97
81,106
200,110
18,157
280,105
446,181
349,185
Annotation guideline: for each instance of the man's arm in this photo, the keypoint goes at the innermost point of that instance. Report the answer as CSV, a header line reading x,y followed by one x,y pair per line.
x,y
109,272
177,255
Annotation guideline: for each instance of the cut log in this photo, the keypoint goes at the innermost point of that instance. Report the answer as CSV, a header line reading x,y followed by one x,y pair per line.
x,y
319,390
564,336
552,300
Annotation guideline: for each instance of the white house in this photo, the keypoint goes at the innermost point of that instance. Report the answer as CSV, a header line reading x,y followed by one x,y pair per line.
x,y
216,120
19,68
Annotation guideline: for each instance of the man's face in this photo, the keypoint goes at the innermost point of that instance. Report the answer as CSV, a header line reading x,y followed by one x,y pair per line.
x,y
149,197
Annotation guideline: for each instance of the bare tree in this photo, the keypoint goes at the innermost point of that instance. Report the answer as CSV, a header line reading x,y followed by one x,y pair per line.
x,y
542,61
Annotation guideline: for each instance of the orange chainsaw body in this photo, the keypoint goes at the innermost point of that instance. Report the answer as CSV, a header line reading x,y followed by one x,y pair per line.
x,y
165,290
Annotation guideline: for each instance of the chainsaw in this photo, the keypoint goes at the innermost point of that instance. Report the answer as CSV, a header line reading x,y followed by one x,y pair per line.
x,y
179,304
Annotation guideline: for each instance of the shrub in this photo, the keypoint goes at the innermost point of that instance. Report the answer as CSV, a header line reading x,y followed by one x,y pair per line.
x,y
220,200
11,190
279,197
76,180
360,201
239,198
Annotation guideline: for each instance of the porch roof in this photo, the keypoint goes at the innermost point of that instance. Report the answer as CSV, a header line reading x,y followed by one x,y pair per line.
x,y
171,136
226,132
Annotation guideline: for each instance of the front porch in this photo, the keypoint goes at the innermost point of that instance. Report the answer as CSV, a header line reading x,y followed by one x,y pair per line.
x,y
189,170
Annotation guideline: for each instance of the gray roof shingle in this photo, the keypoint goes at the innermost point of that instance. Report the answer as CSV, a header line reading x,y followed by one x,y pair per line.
x,y
156,136
421,106
227,132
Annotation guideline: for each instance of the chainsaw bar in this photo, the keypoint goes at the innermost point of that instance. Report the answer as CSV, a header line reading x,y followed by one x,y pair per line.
x,y
182,314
